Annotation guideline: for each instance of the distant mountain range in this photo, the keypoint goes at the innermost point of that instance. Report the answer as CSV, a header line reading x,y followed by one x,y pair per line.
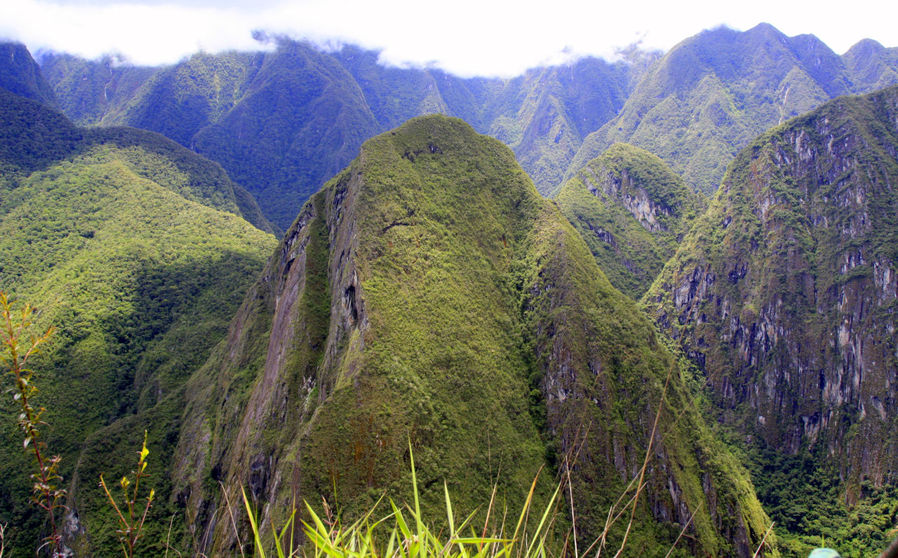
x,y
281,123
713,93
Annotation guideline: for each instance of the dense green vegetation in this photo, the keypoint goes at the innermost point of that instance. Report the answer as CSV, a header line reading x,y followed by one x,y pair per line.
x,y
282,123
784,293
428,294
872,66
87,90
135,249
20,74
713,93
804,495
545,114
632,211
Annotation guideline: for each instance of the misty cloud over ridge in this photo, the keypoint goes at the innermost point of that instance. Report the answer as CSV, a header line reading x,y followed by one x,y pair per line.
x,y
466,37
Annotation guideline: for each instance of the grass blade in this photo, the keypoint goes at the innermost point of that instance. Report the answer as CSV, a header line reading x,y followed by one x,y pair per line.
x,y
253,524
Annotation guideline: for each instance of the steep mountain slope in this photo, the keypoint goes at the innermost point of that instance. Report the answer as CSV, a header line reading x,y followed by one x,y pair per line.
x,y
542,115
395,95
871,65
429,295
135,249
300,121
88,90
695,108
632,210
784,293
553,109
715,92
280,123
20,74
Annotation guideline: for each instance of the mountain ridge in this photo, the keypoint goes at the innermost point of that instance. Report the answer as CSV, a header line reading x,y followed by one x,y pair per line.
x,y
714,93
22,75
214,103
427,286
782,293
132,246
385,319
722,88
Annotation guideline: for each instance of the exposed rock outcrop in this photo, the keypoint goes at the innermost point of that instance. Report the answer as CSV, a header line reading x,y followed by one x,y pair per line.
x,y
784,292
632,211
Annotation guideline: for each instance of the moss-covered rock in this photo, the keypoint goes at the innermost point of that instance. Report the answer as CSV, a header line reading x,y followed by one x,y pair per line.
x,y
632,211
784,293
428,294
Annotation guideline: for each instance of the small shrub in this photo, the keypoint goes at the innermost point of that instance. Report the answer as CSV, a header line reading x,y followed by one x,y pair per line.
x,y
14,356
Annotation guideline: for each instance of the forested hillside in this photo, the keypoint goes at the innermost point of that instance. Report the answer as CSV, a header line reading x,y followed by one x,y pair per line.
x,y
715,92
282,123
428,300
137,251
784,294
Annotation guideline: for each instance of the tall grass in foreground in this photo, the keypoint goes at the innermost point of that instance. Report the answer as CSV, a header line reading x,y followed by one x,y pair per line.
x,y
403,533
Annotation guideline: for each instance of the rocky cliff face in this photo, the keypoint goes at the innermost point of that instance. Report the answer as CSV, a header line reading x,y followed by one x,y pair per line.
x,y
429,295
632,210
784,292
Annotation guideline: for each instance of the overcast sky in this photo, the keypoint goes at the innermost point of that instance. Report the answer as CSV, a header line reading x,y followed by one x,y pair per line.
x,y
466,37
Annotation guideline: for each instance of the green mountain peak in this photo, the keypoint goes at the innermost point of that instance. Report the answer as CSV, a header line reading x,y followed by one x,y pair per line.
x,y
20,74
428,295
632,210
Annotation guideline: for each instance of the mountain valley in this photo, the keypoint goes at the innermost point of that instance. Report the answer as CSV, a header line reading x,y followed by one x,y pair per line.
x,y
661,288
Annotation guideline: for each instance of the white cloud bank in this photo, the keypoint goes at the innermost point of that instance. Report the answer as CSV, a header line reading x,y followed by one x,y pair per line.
x,y
466,37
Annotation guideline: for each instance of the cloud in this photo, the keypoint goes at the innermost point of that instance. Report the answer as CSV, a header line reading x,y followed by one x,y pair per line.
x,y
466,37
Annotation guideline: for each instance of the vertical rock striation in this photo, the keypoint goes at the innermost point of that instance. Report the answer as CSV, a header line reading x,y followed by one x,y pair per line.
x,y
632,210
785,290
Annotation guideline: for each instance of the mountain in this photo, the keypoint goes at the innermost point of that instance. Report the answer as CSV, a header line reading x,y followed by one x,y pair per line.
x,y
871,65
695,107
137,250
395,95
784,294
632,210
712,94
428,295
88,90
20,74
558,107
279,123
283,122
542,115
